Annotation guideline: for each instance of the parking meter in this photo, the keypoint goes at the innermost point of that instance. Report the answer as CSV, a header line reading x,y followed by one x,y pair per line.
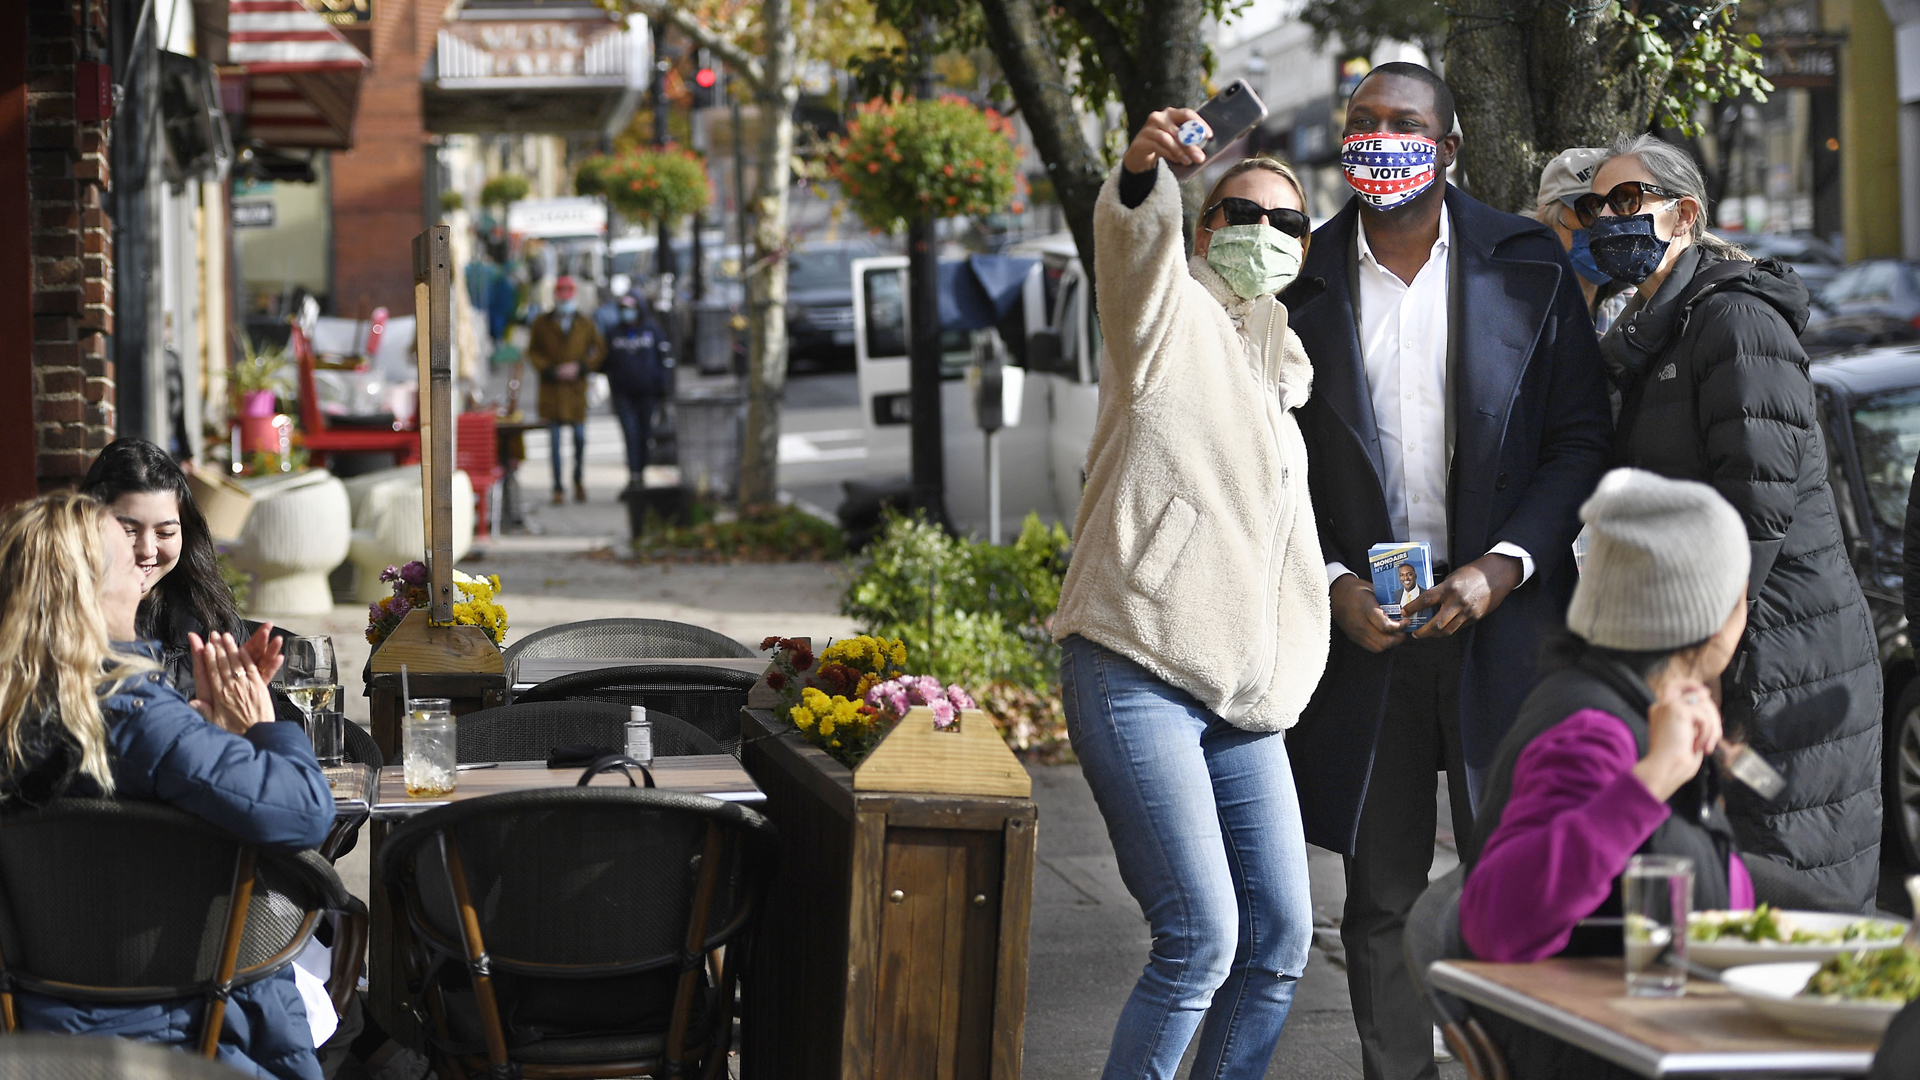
x,y
996,393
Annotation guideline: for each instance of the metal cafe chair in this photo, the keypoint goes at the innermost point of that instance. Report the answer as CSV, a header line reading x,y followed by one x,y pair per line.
x,y
526,732
41,1055
567,932
709,698
620,639
1433,934
208,913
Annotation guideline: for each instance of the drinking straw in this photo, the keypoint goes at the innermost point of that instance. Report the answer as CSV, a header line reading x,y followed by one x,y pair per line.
x,y
406,692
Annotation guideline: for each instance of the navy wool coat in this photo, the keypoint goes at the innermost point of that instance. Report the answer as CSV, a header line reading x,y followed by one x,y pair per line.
x,y
263,788
1532,433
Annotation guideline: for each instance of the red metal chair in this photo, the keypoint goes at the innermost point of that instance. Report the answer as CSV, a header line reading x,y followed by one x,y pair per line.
x,y
477,453
320,441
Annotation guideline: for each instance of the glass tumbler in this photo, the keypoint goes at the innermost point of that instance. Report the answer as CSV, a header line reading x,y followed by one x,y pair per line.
x,y
1656,898
427,748
324,727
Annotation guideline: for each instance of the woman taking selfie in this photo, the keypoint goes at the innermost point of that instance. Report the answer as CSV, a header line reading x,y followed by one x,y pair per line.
x,y
1193,621
84,712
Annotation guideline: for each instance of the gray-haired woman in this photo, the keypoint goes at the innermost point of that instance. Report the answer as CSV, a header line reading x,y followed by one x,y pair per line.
x,y
1714,388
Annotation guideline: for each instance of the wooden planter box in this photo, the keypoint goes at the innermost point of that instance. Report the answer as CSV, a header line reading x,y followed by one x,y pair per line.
x,y
893,943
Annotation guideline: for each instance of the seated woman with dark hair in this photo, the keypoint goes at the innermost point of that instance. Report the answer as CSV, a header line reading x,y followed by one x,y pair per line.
x,y
84,711
181,590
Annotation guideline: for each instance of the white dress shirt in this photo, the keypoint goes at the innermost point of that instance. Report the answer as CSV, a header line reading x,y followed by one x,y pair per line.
x,y
1403,344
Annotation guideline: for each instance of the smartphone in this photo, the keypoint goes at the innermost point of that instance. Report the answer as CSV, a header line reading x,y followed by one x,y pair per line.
x,y
1229,115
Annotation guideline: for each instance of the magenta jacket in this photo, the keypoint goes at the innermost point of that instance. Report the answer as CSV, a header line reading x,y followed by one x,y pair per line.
x,y
1577,813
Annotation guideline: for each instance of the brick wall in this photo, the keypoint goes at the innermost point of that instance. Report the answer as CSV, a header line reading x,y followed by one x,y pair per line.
x,y
72,244
378,185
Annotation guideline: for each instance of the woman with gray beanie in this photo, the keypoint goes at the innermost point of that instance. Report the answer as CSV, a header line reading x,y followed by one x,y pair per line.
x,y
1608,758
1714,387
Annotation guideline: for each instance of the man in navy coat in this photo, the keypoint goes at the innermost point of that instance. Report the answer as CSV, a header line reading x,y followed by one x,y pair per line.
x,y
1458,399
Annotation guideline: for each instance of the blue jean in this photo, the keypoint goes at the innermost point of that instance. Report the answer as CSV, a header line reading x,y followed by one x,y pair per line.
x,y
1206,828
579,451
636,426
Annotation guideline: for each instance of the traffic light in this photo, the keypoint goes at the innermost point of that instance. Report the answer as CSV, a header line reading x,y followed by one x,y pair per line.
x,y
706,82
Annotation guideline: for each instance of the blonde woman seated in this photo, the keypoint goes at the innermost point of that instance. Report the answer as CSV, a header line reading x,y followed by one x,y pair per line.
x,y
86,711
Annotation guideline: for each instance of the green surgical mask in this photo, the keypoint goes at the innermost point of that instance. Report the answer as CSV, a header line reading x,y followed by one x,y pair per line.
x,y
1254,259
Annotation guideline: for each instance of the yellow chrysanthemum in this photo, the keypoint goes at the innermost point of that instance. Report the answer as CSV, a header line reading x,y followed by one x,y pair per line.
x,y
802,717
826,726
899,655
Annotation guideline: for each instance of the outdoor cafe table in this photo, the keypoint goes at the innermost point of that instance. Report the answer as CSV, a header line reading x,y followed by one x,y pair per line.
x,y
531,671
360,790
1708,1032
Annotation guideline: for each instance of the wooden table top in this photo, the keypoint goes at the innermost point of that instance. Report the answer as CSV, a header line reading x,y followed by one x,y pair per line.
x,y
1708,1031
534,670
717,776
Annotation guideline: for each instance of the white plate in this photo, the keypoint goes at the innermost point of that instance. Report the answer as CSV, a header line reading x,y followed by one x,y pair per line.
x,y
1772,990
1726,954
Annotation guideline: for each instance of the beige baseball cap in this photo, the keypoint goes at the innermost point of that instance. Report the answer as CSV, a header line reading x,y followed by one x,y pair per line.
x,y
1570,175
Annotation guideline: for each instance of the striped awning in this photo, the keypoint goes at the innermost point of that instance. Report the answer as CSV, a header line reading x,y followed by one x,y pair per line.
x,y
296,80
285,36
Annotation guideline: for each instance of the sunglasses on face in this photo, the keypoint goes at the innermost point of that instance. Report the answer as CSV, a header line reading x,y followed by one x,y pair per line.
x,y
1247,212
1625,199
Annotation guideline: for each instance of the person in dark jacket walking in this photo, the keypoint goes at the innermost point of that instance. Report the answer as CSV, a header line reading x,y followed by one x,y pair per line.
x,y
1458,400
1714,387
85,711
639,369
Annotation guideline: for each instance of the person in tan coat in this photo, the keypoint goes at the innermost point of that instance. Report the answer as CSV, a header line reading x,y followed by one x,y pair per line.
x,y
563,347
1194,617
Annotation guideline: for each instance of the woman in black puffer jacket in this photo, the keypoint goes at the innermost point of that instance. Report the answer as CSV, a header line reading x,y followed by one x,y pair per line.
x,y
1714,387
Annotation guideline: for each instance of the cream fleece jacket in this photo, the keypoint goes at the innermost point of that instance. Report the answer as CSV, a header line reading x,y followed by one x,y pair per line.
x,y
1195,553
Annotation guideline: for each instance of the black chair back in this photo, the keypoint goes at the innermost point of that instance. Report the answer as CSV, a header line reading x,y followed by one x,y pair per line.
x,y
1899,1055
617,639
72,928
572,925
709,698
40,1055
1433,934
523,732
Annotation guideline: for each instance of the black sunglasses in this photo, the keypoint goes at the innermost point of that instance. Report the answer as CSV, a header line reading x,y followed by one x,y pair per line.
x,y
1247,212
1625,199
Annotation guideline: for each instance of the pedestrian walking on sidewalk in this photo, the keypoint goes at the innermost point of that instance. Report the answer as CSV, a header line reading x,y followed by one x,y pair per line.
x,y
1194,617
639,374
564,347
1458,401
1562,182
1714,387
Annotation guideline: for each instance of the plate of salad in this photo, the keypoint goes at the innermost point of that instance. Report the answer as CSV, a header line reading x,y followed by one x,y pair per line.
x,y
1724,939
1851,993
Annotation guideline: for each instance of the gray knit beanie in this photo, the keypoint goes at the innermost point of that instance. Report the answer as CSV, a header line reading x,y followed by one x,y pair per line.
x,y
1666,560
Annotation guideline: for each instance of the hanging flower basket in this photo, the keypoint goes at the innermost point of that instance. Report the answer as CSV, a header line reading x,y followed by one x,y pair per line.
x,y
655,186
901,159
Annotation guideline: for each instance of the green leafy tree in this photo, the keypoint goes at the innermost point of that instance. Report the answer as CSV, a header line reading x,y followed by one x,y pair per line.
x,y
1532,79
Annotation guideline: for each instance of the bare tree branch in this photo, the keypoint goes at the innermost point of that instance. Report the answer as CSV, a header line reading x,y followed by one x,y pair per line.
x,y
741,62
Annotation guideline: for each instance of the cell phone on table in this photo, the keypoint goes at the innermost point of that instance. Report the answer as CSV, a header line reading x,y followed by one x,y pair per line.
x,y
1229,115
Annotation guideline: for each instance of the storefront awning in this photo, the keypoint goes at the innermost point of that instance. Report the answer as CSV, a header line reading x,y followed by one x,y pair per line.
x,y
298,80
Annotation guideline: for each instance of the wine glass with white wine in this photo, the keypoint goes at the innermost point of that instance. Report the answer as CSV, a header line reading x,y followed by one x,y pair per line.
x,y
308,677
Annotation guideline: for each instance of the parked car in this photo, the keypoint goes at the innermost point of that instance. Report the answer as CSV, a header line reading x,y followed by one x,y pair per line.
x,y
1874,302
820,302
1870,423
1815,260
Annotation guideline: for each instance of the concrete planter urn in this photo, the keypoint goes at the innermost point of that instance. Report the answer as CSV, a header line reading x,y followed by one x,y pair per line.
x,y
389,527
298,532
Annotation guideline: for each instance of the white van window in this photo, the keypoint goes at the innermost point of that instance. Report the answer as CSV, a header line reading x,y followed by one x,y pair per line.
x,y
886,304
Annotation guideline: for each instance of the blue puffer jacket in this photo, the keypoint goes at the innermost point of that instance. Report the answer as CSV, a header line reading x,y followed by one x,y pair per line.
x,y
264,788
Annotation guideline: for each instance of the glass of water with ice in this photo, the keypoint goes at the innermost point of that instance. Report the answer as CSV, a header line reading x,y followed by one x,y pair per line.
x,y
1656,896
427,750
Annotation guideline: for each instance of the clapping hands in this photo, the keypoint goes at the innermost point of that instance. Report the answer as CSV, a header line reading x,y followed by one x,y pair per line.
x,y
230,678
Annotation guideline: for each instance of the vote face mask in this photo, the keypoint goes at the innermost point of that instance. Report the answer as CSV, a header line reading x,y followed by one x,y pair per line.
x,y
1389,170
1254,259
1627,248
1581,255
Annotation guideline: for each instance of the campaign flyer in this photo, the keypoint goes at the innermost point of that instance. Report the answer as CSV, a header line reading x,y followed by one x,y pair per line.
x,y
1400,573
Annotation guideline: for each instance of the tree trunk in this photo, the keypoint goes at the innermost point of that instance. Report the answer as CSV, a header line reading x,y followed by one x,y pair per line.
x,y
1530,83
767,283
1169,56
1032,67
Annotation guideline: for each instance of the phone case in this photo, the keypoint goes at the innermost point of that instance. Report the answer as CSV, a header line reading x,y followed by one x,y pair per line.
x,y
1230,114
